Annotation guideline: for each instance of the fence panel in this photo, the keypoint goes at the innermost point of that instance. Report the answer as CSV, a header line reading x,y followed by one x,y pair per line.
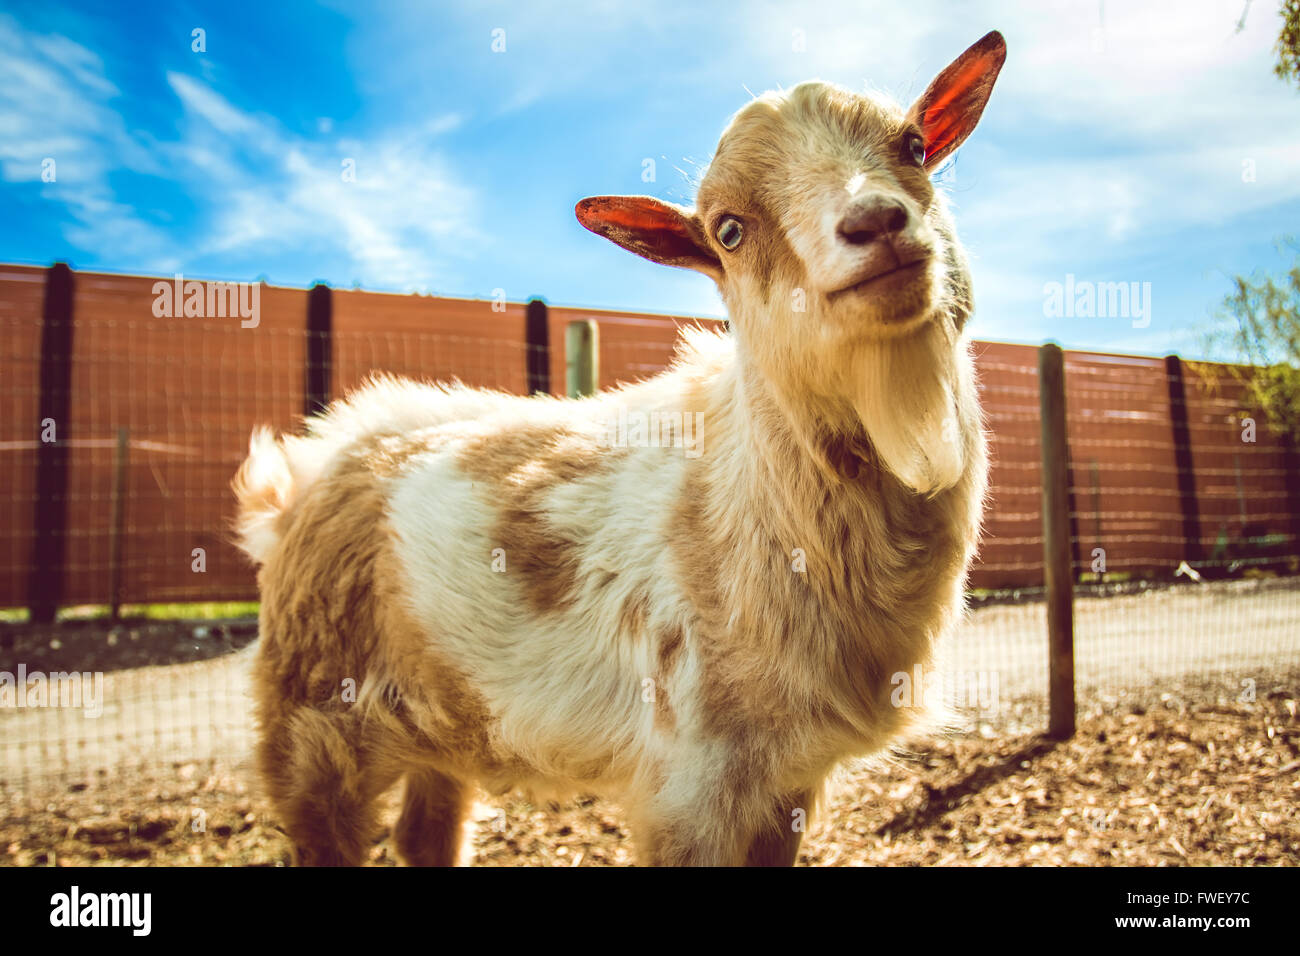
x,y
1124,477
1011,551
1247,506
190,388
428,338
22,293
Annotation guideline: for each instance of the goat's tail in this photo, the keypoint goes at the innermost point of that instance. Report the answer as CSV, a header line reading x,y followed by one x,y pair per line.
x,y
264,488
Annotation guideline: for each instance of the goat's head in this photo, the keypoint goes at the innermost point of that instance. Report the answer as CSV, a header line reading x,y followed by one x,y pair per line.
x,y
843,278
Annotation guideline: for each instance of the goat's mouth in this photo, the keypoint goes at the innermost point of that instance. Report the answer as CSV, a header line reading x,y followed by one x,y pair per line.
x,y
884,283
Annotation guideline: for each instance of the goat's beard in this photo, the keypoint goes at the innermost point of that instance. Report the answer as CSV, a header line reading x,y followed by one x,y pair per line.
x,y
915,398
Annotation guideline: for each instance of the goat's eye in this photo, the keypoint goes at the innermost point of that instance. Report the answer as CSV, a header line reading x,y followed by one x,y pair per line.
x,y
730,232
914,149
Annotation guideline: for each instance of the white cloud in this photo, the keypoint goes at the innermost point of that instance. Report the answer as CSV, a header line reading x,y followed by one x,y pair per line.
x,y
256,186
398,215
201,101
56,104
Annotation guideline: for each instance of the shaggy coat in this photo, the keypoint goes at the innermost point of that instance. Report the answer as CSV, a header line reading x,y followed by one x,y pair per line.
x,y
692,593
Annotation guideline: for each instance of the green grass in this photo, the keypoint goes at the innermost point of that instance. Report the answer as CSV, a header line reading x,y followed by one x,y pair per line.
x,y
191,612
1108,577
153,612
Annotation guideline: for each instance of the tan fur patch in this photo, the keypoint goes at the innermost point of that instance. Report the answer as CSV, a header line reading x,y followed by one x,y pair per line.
x,y
635,613
671,643
699,576
521,465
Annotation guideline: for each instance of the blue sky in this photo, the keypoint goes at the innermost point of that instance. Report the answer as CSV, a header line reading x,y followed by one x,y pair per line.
x,y
1113,148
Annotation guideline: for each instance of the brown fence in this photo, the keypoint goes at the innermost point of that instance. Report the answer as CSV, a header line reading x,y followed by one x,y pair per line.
x,y
1160,471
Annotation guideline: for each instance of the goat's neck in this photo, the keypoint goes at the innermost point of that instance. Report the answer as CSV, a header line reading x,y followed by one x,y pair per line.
x,y
877,558
802,441
800,463
788,455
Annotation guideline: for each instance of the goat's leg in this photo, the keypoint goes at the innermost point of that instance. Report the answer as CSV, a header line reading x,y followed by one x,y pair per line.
x,y
429,833
323,785
777,844
681,843
696,825
729,823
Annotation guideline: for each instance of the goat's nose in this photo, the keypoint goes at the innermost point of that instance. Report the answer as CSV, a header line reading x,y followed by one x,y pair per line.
x,y
872,219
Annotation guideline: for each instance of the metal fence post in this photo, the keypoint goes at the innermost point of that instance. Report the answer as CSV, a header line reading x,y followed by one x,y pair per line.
x,y
1183,460
582,358
1058,566
116,521
319,367
49,519
537,350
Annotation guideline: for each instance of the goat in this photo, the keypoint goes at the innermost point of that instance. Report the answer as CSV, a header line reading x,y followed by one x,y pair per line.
x,y
468,588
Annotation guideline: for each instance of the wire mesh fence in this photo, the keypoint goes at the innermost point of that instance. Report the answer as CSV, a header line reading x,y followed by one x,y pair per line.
x,y
1185,516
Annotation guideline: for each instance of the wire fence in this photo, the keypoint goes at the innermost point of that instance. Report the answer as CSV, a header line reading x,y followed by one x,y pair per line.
x,y
120,429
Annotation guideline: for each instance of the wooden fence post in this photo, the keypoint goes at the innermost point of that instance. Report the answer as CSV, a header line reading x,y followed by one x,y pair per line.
x,y
319,367
582,358
49,519
1058,565
537,351
1291,475
1191,510
1096,505
117,512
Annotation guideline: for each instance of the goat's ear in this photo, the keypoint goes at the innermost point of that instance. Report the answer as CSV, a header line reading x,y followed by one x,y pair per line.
x,y
657,230
954,101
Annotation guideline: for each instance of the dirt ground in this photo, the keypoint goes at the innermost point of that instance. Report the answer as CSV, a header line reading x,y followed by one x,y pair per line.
x,y
1176,784
1173,763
